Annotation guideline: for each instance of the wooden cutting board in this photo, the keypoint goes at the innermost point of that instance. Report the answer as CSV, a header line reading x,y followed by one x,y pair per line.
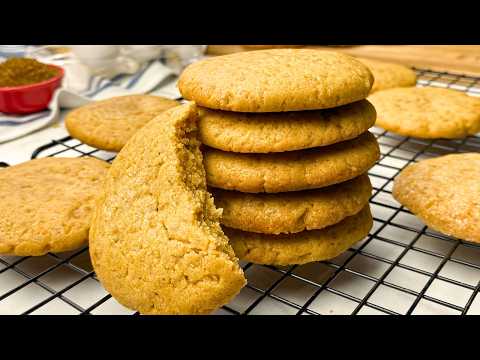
x,y
460,59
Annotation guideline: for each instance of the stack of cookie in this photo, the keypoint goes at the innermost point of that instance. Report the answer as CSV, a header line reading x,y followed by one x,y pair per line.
x,y
288,150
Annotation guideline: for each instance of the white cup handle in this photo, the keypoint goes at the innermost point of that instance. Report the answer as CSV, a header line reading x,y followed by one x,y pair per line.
x,y
127,65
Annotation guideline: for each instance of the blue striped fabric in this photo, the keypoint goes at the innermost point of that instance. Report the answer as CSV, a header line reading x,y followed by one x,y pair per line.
x,y
7,51
22,120
135,78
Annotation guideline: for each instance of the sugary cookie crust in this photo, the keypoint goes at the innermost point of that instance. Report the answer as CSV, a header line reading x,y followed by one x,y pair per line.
x,y
279,132
156,242
291,171
276,80
388,75
444,192
428,113
109,124
47,204
304,247
295,211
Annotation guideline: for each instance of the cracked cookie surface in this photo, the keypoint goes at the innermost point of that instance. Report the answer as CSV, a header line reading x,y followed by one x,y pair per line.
x,y
428,113
108,124
291,171
295,211
444,192
279,132
47,204
304,247
156,243
276,80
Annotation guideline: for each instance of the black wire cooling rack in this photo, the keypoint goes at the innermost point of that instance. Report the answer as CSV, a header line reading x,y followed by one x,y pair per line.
x,y
402,267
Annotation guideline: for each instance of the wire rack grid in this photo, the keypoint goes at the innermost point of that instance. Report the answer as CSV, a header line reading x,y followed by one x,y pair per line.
x,y
402,267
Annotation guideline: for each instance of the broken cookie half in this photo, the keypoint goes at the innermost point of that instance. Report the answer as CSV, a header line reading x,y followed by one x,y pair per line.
x,y
155,242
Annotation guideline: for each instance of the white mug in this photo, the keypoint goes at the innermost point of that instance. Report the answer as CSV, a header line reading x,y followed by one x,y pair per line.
x,y
105,60
142,53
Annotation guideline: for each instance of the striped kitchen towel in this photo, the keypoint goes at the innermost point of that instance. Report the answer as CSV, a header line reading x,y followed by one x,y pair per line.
x,y
153,78
7,51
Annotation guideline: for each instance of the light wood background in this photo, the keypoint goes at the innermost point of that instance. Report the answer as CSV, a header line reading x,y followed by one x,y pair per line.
x,y
461,59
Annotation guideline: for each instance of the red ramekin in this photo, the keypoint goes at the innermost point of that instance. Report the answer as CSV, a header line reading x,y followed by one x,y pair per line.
x,y
27,99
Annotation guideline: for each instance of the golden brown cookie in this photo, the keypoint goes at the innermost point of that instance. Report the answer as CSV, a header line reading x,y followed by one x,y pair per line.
x,y
156,243
279,132
304,247
295,211
276,80
444,193
264,47
108,124
429,113
46,204
291,171
388,75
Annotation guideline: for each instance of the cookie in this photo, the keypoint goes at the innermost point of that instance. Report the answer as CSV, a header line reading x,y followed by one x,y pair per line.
x,y
304,247
389,75
295,211
276,80
156,243
428,113
279,132
444,193
291,171
108,124
47,204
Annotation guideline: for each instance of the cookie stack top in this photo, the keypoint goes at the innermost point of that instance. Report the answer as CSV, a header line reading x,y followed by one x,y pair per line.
x,y
276,81
283,100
